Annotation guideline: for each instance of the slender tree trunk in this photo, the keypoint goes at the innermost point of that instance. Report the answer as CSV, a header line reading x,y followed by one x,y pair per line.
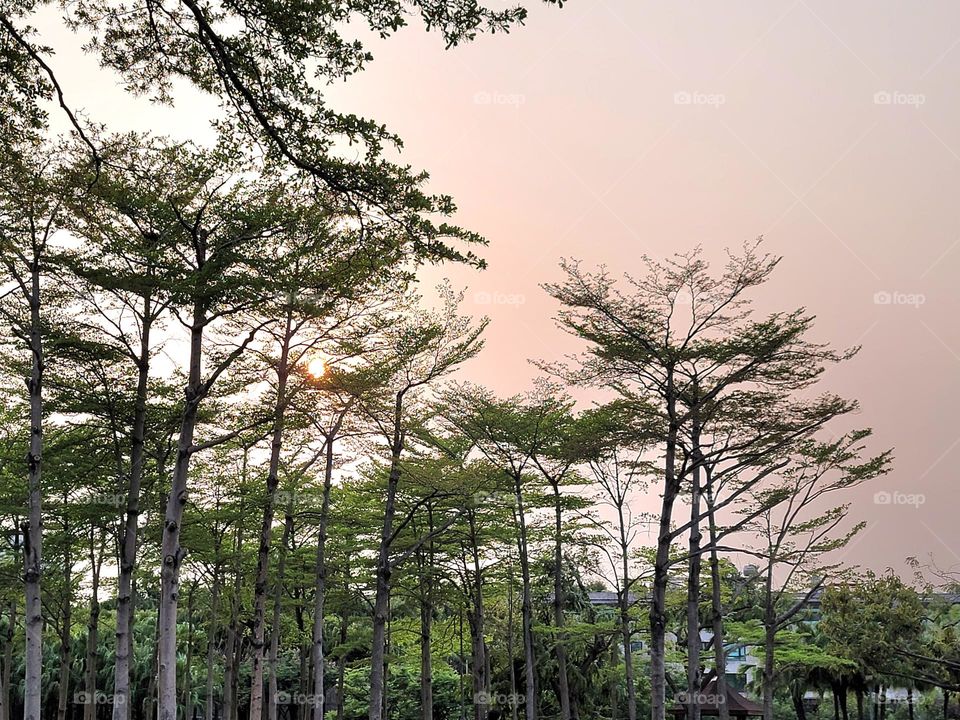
x,y
320,591
149,703
526,606
230,699
273,709
661,567
627,639
66,641
266,527
426,638
768,667
910,702
128,544
797,697
843,700
511,633
384,570
93,634
187,702
342,663
212,630
946,704
859,694
623,605
716,606
563,680
171,552
5,698
32,547
477,621
693,582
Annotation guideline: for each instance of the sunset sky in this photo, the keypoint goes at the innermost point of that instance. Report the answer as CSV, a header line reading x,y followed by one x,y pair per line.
x,y
613,128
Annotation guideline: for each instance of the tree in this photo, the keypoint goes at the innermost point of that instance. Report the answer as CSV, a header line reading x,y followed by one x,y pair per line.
x,y
260,61
33,190
680,347
795,536
417,350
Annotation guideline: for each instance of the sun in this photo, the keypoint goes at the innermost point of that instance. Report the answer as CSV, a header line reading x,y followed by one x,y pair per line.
x,y
317,367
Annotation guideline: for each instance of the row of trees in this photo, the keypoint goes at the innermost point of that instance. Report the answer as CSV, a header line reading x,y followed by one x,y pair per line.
x,y
247,460
307,361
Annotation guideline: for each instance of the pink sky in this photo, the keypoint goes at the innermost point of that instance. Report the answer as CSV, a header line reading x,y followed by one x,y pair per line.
x,y
614,128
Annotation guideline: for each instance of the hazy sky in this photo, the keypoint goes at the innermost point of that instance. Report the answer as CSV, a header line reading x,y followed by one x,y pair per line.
x,y
614,128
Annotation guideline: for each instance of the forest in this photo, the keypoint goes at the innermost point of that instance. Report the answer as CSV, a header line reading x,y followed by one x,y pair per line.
x,y
244,478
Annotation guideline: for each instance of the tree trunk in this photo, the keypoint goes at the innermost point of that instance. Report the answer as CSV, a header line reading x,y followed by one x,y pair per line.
x,y
32,547
149,701
910,703
273,709
5,698
843,700
187,702
563,680
623,605
212,629
66,644
266,527
768,667
93,634
526,607
859,693
946,704
661,567
477,621
230,699
797,696
342,663
426,644
693,587
320,593
716,606
128,544
384,570
514,704
172,553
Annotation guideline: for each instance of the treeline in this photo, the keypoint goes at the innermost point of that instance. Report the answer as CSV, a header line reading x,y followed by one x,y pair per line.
x,y
241,477
241,426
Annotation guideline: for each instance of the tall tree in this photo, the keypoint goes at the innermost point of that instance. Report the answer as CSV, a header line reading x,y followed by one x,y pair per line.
x,y
33,191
